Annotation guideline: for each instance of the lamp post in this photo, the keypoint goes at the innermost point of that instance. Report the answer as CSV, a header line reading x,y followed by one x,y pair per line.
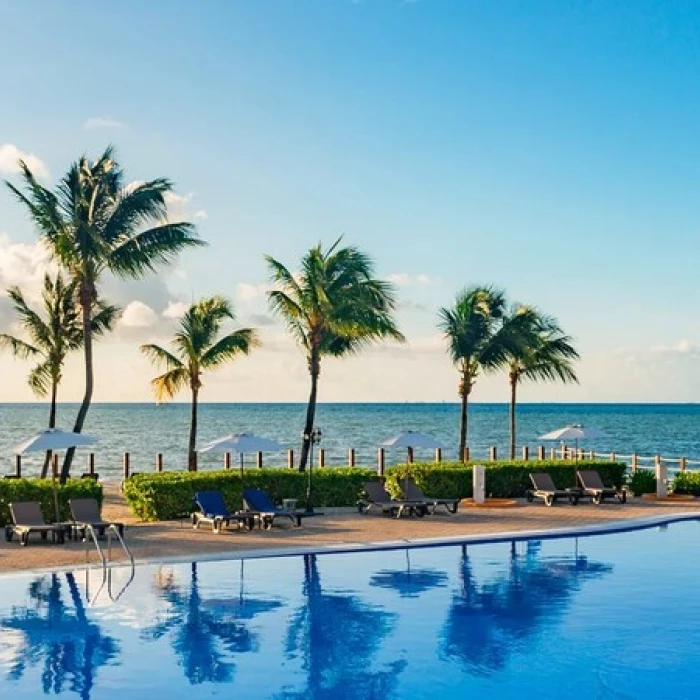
x,y
314,438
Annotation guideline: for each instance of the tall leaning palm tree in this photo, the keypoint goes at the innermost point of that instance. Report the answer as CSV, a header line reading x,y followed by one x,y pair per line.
x,y
52,335
544,353
333,307
478,341
93,222
198,347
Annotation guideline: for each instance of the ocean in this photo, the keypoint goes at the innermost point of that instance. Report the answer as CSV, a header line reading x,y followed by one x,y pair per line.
x,y
143,430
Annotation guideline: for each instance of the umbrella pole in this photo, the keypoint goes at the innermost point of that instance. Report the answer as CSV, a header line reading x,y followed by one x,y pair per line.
x,y
54,471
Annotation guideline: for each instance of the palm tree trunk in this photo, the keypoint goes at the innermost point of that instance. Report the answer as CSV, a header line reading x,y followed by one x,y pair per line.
x,y
52,424
464,417
314,369
86,303
513,391
191,454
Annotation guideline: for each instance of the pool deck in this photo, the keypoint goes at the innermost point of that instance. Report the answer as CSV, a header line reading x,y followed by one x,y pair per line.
x,y
338,530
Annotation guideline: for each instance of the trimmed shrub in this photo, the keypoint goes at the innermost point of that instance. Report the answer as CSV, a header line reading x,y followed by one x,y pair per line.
x,y
169,495
17,490
507,479
687,482
642,481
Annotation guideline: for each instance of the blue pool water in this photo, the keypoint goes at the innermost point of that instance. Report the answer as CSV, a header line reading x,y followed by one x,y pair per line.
x,y
606,616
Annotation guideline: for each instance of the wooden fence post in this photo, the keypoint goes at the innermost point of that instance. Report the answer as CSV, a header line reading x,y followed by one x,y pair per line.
x,y
159,462
227,460
259,460
492,454
438,454
290,459
321,457
91,465
380,461
465,456
351,457
18,466
612,456
127,465
553,453
682,462
526,453
409,456
540,453
634,463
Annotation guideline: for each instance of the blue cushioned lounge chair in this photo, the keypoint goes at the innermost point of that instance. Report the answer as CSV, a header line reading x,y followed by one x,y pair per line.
x,y
260,502
213,510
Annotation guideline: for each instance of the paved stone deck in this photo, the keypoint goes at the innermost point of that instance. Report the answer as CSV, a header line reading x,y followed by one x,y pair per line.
x,y
177,538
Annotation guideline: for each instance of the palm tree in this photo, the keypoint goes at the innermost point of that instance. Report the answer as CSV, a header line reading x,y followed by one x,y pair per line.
x,y
198,348
52,336
545,353
478,340
335,307
94,222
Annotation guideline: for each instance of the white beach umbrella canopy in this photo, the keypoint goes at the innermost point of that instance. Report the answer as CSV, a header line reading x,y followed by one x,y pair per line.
x,y
574,431
53,439
412,438
245,443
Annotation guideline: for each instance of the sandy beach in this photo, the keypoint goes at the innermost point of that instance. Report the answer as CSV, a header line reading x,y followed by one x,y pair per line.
x,y
162,540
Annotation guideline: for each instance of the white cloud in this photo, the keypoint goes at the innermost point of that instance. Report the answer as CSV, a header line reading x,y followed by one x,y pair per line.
x,y
248,292
10,156
136,314
175,309
102,123
403,279
200,215
179,207
24,264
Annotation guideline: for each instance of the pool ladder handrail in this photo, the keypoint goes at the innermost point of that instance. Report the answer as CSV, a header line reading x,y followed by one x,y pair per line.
x,y
110,530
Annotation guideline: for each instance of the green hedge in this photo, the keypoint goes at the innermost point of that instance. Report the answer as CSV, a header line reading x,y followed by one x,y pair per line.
x,y
17,490
170,495
506,479
687,482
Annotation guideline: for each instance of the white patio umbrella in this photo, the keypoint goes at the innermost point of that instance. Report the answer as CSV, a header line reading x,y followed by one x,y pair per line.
x,y
575,432
53,439
243,443
411,439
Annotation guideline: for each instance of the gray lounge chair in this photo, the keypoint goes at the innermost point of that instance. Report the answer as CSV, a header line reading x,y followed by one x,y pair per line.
x,y
380,498
414,493
544,488
593,486
27,518
86,513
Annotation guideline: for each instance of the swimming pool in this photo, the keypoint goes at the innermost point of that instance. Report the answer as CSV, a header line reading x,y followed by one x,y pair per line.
x,y
605,616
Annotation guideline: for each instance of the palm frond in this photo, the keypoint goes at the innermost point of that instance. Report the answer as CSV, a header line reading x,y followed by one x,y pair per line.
x,y
240,342
104,317
145,251
167,385
40,378
157,354
17,347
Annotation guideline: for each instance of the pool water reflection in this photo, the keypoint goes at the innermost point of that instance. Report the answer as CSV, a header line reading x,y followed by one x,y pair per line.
x,y
589,617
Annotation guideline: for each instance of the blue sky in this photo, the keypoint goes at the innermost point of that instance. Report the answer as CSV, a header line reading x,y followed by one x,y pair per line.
x,y
547,147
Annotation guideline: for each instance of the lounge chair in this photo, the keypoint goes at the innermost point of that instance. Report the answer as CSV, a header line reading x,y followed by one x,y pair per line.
x,y
380,498
259,501
27,518
413,493
543,487
86,513
593,486
213,511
